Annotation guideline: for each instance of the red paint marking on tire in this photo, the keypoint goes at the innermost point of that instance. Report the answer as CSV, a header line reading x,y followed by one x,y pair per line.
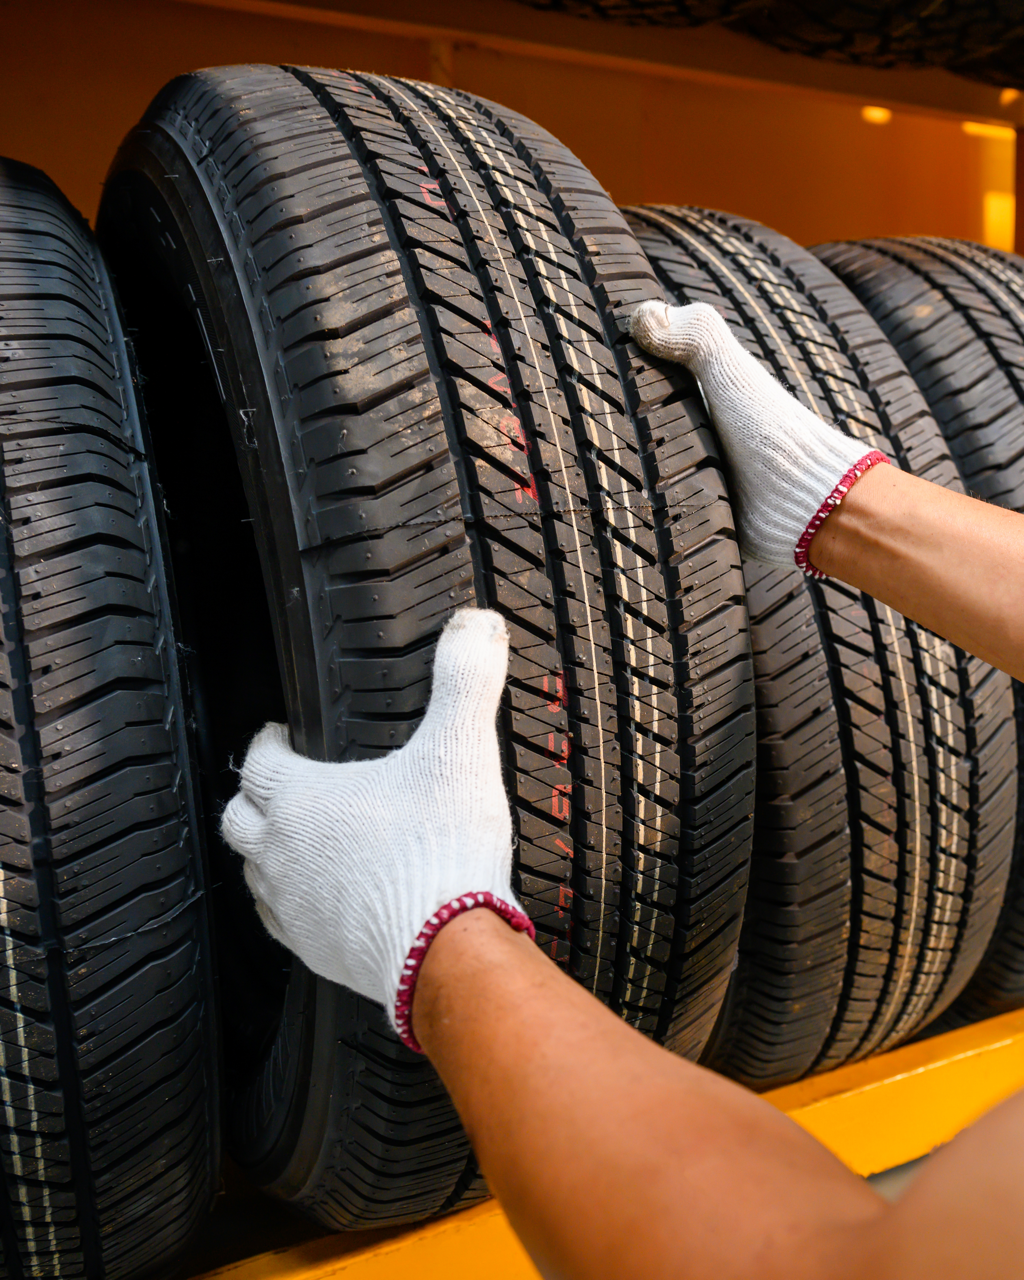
x,y
494,340
512,428
560,699
432,185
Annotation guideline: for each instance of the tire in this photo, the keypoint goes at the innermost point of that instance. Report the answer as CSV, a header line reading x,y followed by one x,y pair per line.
x,y
957,34
885,760
955,313
1002,66
109,1126
643,13
984,43
430,263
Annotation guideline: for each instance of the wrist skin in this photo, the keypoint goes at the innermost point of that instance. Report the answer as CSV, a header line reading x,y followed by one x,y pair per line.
x,y
467,950
902,540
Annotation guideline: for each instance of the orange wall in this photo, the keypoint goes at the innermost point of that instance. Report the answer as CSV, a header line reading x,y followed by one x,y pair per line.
x,y
799,161
75,76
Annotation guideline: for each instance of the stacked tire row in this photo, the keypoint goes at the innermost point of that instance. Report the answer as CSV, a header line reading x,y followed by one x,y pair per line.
x,y
386,370
955,313
887,784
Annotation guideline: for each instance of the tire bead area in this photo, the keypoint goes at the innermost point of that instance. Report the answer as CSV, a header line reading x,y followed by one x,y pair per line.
x,y
419,349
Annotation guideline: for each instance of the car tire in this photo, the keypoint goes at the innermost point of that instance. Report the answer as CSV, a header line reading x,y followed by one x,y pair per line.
x,y
955,313
400,308
109,1126
885,763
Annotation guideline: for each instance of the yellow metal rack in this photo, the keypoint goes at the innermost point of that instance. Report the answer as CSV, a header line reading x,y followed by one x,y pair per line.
x,y
874,1115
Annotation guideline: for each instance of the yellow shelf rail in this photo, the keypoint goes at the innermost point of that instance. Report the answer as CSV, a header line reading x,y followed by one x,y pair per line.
x,y
873,1115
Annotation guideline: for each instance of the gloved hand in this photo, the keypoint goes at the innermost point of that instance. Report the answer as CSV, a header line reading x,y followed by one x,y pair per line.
x,y
789,469
356,867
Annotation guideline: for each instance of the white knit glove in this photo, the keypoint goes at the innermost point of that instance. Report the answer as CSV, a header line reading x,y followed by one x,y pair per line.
x,y
789,469
356,867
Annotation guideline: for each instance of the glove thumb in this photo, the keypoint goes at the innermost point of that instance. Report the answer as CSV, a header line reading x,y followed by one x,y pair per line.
x,y
469,670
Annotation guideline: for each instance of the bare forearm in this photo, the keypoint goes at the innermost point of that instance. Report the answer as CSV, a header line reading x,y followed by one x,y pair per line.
x,y
612,1157
949,562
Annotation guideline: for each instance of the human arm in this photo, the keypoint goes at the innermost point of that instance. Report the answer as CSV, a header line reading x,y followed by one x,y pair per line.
x,y
806,494
949,562
615,1160
683,1172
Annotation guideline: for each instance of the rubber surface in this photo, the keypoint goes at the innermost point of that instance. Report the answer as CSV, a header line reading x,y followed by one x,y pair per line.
x,y
1003,65
955,312
675,13
108,1120
886,761
412,303
982,41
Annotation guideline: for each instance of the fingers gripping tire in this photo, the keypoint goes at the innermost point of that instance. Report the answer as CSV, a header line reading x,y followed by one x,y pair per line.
x,y
109,1125
410,301
859,930
955,313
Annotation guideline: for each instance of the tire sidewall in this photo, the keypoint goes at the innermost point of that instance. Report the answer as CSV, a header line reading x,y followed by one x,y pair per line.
x,y
275,1116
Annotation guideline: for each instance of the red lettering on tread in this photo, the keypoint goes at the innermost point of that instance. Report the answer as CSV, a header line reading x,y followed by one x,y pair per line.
x,y
560,801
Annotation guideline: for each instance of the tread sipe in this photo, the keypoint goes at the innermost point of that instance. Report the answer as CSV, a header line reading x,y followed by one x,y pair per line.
x,y
955,313
409,302
108,1126
886,761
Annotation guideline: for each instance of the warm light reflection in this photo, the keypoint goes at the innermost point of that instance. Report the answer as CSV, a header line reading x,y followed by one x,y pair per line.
x,y
998,217
976,129
876,115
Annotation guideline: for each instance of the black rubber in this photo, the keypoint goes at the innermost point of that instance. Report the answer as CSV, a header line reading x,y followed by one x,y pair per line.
x,y
977,39
108,1115
673,13
955,313
410,300
885,757
982,41
1003,65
